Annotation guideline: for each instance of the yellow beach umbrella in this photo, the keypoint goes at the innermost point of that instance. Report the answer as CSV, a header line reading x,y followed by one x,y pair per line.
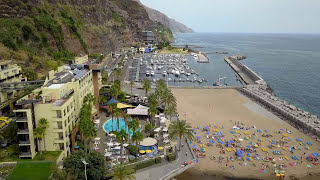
x,y
148,151
160,148
142,151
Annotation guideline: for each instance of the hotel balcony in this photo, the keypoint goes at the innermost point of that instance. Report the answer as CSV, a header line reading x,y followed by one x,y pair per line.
x,y
23,131
24,143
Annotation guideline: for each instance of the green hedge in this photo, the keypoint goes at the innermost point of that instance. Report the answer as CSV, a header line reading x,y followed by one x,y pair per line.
x,y
144,164
171,157
133,150
158,160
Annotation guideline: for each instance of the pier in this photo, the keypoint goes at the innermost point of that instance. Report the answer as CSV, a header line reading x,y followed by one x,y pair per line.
x,y
244,74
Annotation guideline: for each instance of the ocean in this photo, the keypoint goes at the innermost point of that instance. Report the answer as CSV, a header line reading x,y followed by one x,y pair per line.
x,y
289,63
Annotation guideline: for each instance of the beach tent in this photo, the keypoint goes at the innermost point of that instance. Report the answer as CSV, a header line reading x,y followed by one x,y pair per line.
x,y
239,153
139,110
123,106
309,143
299,140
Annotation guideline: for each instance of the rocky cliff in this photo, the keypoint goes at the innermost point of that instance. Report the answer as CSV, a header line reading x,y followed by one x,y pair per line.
x,y
40,31
175,26
157,16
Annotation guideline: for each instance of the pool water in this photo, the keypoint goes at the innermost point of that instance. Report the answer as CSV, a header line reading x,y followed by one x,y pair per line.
x,y
109,126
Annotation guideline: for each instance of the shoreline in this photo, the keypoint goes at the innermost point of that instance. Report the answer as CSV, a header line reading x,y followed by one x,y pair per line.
x,y
203,106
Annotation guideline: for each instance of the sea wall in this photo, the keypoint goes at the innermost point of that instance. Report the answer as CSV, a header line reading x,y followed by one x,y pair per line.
x,y
300,119
241,70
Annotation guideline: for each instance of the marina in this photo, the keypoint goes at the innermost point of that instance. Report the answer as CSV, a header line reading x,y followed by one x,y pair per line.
x,y
172,68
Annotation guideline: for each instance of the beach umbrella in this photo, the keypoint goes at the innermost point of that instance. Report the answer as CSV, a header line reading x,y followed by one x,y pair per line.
x,y
248,146
198,137
232,142
197,127
117,148
148,151
259,130
239,153
195,132
232,132
194,146
201,149
219,133
282,129
221,142
299,140
160,148
207,133
193,129
309,143
142,151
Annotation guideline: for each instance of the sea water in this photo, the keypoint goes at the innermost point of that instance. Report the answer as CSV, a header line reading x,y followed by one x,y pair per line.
x,y
289,63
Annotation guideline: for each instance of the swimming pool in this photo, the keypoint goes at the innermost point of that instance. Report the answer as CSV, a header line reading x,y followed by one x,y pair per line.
x,y
108,126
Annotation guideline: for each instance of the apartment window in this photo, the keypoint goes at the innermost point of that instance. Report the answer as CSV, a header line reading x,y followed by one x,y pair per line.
x,y
64,112
60,134
68,109
65,123
59,114
59,125
69,119
61,146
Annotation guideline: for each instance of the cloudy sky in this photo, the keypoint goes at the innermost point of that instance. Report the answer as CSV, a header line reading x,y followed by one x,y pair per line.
x,y
251,16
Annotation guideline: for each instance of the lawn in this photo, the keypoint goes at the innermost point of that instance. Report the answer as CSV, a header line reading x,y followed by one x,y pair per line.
x,y
172,51
31,171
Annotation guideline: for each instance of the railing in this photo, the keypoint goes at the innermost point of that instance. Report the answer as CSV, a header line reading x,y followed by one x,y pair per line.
x,y
24,142
23,130
25,153
69,94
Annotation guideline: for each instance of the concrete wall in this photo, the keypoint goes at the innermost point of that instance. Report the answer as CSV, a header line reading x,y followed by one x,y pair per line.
x,y
303,125
246,70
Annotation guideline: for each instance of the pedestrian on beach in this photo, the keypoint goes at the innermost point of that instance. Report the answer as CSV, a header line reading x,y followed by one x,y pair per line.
x,y
186,153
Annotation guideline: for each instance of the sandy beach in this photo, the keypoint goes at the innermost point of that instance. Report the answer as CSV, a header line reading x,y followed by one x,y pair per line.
x,y
227,107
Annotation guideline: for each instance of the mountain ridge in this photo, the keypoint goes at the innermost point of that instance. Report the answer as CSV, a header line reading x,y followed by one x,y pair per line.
x,y
157,16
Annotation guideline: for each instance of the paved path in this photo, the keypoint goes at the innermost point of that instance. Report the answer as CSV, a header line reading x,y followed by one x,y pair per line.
x,y
158,171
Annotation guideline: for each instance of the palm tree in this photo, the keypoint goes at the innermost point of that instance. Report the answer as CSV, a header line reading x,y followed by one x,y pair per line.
x,y
126,118
38,134
90,133
131,84
118,73
102,99
117,114
122,172
112,107
43,122
171,110
133,125
153,104
114,91
121,137
180,129
137,136
146,85
1,135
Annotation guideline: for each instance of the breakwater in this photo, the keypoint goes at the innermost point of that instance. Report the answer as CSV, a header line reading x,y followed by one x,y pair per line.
x,y
258,90
246,75
300,119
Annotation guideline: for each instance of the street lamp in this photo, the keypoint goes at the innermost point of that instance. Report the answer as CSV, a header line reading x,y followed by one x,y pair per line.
x,y
85,168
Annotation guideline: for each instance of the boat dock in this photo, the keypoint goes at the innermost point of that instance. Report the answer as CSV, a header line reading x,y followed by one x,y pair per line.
x,y
245,75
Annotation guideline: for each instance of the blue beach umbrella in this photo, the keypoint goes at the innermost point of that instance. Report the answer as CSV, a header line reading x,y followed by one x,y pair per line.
x,y
207,133
309,143
232,142
219,133
193,129
232,132
195,146
198,137
248,146
299,140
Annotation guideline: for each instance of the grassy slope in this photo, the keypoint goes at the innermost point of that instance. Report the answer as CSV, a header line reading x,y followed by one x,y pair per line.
x,y
31,171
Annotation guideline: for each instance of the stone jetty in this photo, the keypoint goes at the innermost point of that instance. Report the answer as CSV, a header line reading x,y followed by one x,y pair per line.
x,y
300,119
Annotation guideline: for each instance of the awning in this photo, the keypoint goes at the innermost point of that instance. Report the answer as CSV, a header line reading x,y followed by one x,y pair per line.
x,y
139,110
165,129
148,142
97,139
122,106
111,101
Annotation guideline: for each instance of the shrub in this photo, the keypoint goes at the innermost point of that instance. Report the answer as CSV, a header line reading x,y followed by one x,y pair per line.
x,y
133,150
144,164
171,157
30,74
158,160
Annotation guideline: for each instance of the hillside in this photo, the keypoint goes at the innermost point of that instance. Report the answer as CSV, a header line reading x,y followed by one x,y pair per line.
x,y
42,34
175,26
